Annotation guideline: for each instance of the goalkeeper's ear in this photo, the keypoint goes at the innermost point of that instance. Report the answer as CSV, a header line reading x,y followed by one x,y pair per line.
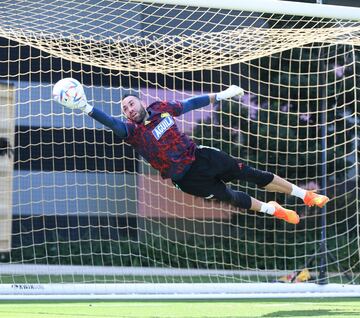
x,y
70,93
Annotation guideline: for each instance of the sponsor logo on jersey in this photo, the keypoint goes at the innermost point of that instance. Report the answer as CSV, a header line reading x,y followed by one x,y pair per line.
x,y
162,127
165,115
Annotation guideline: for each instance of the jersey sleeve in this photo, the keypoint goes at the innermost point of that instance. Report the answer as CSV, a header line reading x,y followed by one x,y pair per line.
x,y
174,108
178,108
120,128
195,103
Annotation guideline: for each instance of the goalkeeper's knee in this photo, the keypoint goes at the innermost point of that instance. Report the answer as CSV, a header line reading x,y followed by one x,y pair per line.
x,y
259,177
238,199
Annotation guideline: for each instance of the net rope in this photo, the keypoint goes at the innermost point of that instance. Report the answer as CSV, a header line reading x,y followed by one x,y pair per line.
x,y
81,198
124,35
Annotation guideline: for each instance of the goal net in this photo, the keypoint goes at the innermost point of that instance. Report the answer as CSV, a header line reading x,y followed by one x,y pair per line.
x,y
82,213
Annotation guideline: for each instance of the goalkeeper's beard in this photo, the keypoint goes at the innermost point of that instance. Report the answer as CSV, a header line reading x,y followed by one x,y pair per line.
x,y
141,117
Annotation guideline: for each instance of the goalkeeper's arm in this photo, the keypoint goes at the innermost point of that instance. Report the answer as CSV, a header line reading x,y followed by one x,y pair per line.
x,y
117,125
204,100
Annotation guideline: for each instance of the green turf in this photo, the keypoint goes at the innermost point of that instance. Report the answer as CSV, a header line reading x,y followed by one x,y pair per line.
x,y
321,308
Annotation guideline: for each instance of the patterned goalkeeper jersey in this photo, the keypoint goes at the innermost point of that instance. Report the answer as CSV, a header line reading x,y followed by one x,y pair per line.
x,y
160,142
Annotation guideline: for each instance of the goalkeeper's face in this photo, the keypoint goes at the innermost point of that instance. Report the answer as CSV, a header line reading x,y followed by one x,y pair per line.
x,y
134,109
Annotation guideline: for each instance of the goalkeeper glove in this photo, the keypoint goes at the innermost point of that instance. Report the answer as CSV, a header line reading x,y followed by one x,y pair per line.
x,y
70,93
230,92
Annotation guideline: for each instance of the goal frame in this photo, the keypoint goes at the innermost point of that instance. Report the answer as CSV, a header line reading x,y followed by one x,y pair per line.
x,y
273,6
205,290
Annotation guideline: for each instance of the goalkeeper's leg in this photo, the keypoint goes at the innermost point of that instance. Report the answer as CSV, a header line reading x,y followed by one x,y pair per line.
x,y
275,209
209,188
274,183
310,198
243,200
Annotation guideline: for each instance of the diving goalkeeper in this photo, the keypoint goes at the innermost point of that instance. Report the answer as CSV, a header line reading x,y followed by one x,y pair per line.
x,y
194,169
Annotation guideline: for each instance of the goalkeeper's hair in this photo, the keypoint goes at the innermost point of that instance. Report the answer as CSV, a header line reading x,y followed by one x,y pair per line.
x,y
130,94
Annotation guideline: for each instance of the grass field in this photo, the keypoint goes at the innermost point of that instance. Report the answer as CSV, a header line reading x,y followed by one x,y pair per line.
x,y
337,308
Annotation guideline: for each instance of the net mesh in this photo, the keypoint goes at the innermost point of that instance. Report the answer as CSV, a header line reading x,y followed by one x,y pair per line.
x,y
84,202
132,36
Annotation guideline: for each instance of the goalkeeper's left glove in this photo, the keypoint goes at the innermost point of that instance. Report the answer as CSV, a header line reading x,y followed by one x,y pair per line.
x,y
70,93
230,92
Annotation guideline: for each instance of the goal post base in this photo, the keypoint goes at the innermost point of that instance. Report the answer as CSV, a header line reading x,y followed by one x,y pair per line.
x,y
175,291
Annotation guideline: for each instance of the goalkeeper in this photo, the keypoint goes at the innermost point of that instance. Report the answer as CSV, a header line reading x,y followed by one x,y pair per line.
x,y
197,170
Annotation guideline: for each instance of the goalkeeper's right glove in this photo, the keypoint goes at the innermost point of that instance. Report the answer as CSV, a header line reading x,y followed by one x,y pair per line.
x,y
70,93
230,92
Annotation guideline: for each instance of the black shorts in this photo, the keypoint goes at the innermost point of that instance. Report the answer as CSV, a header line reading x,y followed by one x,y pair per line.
x,y
213,168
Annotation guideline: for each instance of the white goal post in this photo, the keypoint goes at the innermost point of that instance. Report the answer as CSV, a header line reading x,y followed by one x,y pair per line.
x,y
274,7
83,216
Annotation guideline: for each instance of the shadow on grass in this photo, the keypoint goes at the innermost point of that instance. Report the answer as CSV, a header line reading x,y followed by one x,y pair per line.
x,y
310,313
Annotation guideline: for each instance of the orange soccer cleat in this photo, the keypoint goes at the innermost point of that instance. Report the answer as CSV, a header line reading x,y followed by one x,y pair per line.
x,y
312,198
289,216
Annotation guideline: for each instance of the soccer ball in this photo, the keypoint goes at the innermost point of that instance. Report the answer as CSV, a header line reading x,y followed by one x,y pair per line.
x,y
70,93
